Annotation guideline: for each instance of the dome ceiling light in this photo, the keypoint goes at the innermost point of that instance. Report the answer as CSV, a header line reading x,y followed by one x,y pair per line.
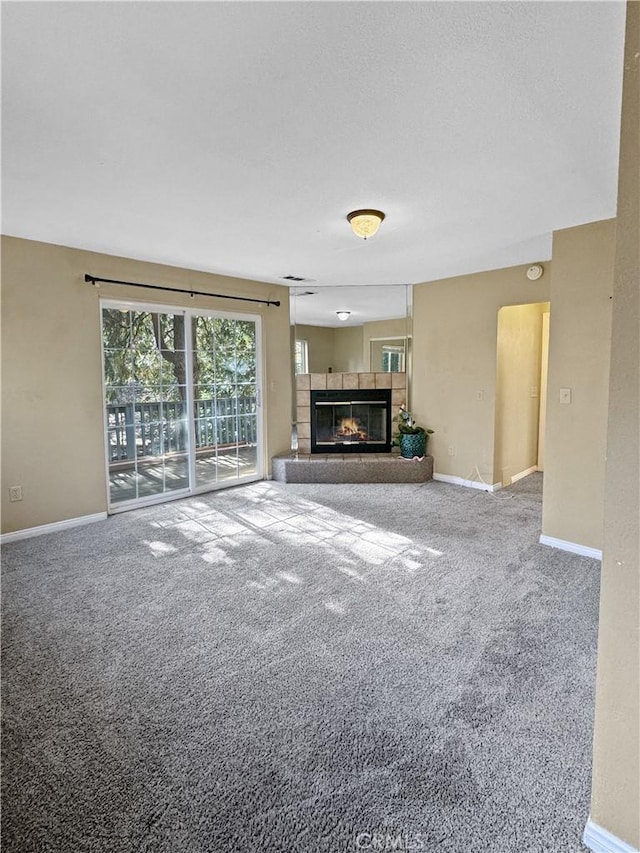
x,y
365,223
343,315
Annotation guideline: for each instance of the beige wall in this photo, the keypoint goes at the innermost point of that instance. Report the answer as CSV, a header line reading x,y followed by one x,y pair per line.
x,y
52,419
455,323
518,389
580,336
320,342
347,350
615,802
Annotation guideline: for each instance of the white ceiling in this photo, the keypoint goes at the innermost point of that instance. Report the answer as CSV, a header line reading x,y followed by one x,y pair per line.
x,y
318,306
234,137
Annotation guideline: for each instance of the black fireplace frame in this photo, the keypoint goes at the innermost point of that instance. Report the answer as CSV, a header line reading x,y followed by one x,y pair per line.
x,y
373,395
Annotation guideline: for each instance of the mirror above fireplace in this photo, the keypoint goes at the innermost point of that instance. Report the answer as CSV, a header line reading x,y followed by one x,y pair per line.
x,y
366,350
374,337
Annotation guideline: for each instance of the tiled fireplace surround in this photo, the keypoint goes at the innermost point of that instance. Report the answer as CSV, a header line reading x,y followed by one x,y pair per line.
x,y
307,382
306,467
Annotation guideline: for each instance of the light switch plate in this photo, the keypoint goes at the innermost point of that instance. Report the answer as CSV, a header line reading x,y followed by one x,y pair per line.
x,y
565,395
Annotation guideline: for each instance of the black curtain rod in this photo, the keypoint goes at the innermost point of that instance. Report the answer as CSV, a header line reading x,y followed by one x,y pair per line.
x,y
93,279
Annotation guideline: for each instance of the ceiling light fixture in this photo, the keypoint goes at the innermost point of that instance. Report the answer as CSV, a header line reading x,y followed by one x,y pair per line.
x,y
343,315
365,223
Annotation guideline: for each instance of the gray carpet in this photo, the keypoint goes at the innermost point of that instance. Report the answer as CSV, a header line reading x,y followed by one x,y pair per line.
x,y
300,668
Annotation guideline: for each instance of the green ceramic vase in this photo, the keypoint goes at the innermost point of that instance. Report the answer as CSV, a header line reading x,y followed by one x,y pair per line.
x,y
413,445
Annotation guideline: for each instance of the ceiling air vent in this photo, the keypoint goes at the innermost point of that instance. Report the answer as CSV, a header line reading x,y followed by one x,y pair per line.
x,y
293,278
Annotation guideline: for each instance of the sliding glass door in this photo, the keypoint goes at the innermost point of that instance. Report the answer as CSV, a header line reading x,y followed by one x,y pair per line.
x,y
181,401
225,399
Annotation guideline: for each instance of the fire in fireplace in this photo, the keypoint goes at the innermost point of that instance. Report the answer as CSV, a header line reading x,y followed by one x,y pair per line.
x,y
351,421
350,429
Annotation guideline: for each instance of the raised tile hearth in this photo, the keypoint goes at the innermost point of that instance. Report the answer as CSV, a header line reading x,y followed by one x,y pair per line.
x,y
351,468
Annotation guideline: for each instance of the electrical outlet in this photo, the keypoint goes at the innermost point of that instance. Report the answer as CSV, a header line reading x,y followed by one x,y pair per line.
x,y
15,493
452,451
480,395
533,391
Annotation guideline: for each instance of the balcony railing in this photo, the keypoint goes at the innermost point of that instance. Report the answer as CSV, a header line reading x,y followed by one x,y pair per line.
x,y
159,428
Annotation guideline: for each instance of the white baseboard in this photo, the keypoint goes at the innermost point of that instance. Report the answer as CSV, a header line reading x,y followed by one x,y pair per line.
x,y
523,474
54,527
471,484
600,840
573,547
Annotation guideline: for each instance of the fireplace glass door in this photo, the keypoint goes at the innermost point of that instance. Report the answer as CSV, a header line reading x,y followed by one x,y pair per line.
x,y
350,421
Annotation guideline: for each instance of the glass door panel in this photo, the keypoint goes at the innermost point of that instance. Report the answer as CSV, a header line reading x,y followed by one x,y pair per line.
x,y
225,399
146,403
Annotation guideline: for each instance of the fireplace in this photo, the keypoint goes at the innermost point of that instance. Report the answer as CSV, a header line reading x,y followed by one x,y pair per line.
x,y
357,421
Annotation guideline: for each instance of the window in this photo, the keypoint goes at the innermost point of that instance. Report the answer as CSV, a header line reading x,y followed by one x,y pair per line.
x,y
392,359
302,357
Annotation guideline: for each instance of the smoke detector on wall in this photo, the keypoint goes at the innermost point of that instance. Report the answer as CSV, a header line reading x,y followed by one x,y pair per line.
x,y
535,272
